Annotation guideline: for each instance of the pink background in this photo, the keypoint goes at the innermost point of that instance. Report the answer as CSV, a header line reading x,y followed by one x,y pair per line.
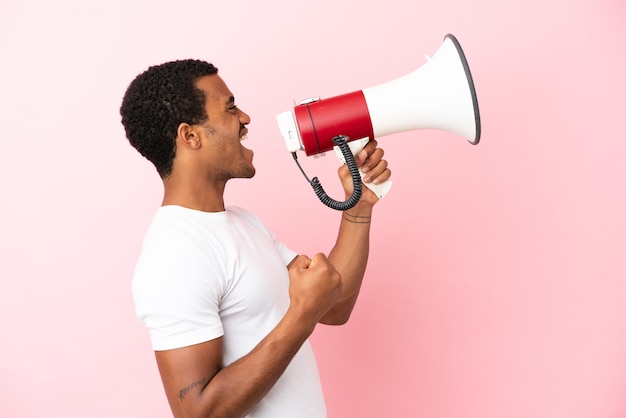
x,y
497,281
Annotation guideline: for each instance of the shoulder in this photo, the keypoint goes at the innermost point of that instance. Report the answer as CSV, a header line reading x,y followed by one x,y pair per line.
x,y
178,246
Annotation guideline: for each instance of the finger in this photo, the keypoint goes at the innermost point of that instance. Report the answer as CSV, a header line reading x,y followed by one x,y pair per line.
x,y
372,160
384,176
379,174
366,151
318,258
371,146
374,171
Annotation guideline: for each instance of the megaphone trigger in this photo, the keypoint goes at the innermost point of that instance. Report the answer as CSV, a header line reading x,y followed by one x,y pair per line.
x,y
356,147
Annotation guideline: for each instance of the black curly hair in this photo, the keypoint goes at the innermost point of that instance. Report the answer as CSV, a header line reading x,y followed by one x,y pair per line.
x,y
157,102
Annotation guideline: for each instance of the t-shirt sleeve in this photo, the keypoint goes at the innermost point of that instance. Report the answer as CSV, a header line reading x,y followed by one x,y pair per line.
x,y
286,253
177,295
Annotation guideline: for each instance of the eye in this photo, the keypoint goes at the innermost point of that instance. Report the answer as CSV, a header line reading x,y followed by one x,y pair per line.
x,y
233,108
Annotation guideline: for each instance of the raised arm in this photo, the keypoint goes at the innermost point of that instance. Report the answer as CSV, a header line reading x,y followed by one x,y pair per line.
x,y
196,383
351,250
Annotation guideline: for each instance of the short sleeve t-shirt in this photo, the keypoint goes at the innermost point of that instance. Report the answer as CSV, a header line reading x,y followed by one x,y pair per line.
x,y
205,275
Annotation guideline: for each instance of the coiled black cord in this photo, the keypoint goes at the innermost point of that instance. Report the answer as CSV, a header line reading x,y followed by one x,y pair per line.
x,y
342,142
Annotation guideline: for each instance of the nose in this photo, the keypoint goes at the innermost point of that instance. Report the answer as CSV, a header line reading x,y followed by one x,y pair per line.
x,y
244,119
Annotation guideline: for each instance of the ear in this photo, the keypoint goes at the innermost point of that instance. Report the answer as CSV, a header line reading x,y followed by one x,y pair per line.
x,y
187,136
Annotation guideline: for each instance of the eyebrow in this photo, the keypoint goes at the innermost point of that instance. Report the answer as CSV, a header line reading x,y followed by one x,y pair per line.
x,y
230,100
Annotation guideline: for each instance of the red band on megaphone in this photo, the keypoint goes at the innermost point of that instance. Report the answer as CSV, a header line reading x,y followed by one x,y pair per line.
x,y
320,121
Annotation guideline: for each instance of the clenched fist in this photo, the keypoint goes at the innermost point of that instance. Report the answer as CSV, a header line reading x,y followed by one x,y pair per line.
x,y
315,286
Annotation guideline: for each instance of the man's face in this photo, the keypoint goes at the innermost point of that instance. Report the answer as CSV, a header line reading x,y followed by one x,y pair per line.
x,y
224,131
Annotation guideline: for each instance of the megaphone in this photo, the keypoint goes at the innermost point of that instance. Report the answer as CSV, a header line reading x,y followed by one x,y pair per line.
x,y
438,95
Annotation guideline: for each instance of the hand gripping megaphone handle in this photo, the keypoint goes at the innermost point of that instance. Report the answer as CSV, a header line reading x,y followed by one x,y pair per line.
x,y
357,146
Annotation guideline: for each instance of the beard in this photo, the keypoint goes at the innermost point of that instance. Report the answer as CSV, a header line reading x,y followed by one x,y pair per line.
x,y
246,171
241,169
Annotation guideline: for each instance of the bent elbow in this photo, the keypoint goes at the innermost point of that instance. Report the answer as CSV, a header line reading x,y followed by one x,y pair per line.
x,y
335,319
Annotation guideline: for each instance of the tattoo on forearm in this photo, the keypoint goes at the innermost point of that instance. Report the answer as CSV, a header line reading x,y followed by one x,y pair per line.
x,y
184,391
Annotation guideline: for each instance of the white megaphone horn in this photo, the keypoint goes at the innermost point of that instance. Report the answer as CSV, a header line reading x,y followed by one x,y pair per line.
x,y
438,95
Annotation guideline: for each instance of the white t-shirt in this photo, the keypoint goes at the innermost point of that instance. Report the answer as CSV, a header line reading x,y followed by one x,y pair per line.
x,y
204,275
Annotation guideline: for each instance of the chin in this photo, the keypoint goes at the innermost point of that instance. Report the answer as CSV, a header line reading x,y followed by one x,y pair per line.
x,y
248,171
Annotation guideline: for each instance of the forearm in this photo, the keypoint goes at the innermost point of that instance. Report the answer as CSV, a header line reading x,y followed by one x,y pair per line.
x,y
349,256
237,388
351,251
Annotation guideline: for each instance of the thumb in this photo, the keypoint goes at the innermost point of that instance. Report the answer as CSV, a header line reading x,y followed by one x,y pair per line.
x,y
302,262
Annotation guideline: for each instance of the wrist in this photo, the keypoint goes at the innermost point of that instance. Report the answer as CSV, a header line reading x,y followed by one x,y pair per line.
x,y
361,209
300,319
357,219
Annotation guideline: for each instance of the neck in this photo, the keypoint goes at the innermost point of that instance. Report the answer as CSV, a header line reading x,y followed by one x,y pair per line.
x,y
193,194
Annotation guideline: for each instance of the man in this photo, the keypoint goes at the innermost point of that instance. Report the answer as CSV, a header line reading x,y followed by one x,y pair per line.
x,y
228,307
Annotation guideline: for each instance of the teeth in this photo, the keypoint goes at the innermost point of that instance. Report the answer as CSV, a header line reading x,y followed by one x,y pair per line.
x,y
244,137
